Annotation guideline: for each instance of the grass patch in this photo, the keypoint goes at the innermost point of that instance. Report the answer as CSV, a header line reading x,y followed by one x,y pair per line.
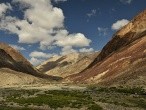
x,y
127,90
139,103
58,99
88,99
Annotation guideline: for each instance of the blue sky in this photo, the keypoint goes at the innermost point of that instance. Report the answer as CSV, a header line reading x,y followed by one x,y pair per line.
x,y
40,29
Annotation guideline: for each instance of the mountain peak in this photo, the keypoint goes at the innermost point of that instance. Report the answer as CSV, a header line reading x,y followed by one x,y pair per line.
x,y
13,53
138,24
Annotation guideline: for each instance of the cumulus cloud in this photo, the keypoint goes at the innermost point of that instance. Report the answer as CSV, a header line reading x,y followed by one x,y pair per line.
x,y
86,50
36,54
18,48
36,61
73,40
40,19
119,24
126,1
43,24
4,8
68,49
39,57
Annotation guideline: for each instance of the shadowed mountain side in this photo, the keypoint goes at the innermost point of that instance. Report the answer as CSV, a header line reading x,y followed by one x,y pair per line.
x,y
12,59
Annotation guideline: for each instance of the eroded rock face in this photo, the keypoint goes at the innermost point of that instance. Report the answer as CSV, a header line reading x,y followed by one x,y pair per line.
x,y
128,34
70,64
122,59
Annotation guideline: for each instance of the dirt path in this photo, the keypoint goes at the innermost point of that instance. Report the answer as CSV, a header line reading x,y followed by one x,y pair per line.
x,y
47,87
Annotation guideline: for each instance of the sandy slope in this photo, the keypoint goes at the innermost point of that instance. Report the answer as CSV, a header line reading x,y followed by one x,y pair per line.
x,y
9,77
69,64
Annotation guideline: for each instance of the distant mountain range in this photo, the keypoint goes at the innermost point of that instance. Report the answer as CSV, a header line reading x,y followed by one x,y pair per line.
x,y
66,65
122,61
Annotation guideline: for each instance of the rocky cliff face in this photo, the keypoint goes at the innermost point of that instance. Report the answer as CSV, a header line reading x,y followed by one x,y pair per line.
x,y
70,64
13,60
122,60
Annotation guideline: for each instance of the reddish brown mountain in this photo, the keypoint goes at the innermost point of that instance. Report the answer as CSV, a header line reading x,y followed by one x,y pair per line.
x,y
122,60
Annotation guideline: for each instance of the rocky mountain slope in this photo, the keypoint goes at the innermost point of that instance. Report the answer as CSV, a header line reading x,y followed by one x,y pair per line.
x,y
12,63
122,61
70,64
10,58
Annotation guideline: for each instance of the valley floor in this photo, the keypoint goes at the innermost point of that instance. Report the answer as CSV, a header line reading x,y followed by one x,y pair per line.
x,y
71,97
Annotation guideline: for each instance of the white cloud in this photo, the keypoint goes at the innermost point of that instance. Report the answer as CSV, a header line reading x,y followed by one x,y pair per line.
x,y
119,24
36,61
43,17
50,41
19,48
92,13
39,57
102,31
126,1
42,55
68,49
86,50
73,40
43,24
4,8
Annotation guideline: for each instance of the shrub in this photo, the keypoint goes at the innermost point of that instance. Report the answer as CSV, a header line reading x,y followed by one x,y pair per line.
x,y
94,107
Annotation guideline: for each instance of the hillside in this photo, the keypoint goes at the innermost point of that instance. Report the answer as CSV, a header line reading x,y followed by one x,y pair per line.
x,y
66,65
10,58
122,61
15,68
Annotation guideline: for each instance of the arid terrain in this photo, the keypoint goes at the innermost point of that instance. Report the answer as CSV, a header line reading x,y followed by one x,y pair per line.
x,y
63,66
112,79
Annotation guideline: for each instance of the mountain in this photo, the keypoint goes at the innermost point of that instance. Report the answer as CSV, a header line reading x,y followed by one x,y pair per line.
x,y
122,61
12,63
11,77
10,58
66,65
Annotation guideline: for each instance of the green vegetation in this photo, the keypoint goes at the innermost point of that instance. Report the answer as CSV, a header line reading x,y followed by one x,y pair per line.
x,y
54,99
89,99
127,90
94,107
139,102
124,96
13,108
